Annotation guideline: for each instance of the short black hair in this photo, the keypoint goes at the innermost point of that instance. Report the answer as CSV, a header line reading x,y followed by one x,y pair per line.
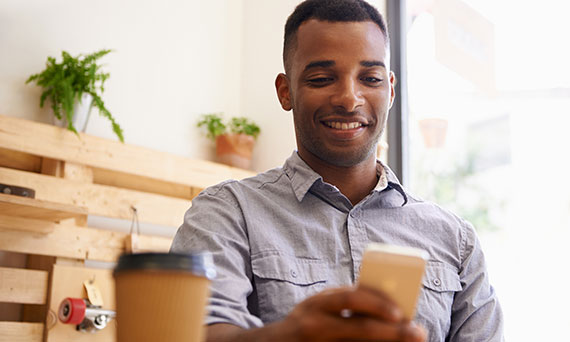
x,y
329,10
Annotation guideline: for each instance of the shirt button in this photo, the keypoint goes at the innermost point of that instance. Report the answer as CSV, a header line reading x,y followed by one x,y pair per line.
x,y
436,282
293,274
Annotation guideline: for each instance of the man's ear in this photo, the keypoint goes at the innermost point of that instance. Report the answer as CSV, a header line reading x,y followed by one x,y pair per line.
x,y
283,91
393,81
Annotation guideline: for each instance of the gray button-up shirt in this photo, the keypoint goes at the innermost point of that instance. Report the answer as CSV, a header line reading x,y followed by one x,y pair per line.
x,y
285,234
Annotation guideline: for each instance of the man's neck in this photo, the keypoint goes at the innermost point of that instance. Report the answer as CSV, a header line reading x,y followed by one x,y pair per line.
x,y
355,182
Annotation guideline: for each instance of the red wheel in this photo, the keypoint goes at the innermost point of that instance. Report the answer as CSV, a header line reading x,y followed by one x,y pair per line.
x,y
72,310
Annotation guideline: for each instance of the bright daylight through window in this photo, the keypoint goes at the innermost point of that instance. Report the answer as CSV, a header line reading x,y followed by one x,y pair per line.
x,y
489,114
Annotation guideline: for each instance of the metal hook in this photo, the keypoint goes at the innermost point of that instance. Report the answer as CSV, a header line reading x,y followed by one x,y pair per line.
x,y
135,221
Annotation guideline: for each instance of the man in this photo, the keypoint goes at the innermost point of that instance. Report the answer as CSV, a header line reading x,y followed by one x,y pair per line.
x,y
288,243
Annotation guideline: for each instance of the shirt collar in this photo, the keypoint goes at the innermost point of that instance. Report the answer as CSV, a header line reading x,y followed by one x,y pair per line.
x,y
392,182
303,177
382,178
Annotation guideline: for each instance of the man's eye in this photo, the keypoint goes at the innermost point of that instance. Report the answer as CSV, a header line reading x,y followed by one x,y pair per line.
x,y
319,81
372,80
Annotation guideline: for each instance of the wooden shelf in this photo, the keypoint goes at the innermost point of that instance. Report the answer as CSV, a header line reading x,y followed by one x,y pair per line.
x,y
29,137
32,208
74,177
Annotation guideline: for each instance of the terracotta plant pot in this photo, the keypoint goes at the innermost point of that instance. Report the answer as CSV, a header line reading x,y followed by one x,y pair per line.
x,y
235,149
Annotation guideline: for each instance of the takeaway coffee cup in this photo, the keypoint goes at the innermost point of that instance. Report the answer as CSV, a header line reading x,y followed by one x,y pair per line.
x,y
162,296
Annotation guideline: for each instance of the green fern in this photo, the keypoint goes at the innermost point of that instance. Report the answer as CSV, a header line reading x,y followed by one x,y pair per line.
x,y
64,82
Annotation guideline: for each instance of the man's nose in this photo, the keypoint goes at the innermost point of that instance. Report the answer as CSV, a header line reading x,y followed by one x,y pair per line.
x,y
347,95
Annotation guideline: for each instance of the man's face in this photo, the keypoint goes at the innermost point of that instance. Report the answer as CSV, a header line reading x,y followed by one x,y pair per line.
x,y
340,90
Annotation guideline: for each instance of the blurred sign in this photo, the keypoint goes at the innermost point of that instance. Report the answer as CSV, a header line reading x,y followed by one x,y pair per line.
x,y
464,42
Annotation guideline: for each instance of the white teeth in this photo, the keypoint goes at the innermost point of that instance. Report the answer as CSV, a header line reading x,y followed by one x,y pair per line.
x,y
343,125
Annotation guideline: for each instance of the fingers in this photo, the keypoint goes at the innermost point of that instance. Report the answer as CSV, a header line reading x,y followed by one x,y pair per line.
x,y
358,300
411,332
351,313
368,329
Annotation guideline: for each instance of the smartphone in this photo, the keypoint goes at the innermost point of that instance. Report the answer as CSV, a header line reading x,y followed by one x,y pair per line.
x,y
397,271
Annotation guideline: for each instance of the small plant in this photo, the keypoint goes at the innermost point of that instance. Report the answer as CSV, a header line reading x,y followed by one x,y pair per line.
x,y
244,126
66,81
216,127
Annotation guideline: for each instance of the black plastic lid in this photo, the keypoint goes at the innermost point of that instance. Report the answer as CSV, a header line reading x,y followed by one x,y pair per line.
x,y
200,264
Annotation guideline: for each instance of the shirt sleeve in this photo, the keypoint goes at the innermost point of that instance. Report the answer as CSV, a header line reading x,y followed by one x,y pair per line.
x,y
215,224
476,313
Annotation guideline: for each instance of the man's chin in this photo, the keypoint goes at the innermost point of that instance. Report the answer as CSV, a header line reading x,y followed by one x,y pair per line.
x,y
344,158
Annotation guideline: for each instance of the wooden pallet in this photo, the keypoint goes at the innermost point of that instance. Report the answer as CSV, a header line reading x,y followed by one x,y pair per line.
x,y
73,177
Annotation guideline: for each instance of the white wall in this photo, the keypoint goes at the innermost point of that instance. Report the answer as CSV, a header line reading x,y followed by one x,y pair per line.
x,y
173,61
263,25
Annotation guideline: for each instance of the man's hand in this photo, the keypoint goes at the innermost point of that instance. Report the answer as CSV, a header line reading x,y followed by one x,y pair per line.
x,y
348,313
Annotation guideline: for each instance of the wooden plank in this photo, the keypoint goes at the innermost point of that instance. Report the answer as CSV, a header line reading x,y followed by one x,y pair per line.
x,y
57,143
58,168
140,183
196,191
34,312
100,199
30,225
145,243
52,167
149,243
76,243
77,172
39,209
19,160
67,281
21,332
23,286
69,262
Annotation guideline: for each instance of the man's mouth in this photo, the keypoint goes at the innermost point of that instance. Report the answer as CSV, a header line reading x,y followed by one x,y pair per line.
x,y
343,125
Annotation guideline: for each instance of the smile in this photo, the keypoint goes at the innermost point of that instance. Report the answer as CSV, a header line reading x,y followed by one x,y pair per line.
x,y
343,125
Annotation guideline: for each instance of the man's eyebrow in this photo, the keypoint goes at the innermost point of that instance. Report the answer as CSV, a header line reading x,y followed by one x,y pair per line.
x,y
330,63
319,64
370,64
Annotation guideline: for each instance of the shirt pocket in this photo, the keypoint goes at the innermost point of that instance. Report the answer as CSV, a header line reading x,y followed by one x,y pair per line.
x,y
440,282
283,281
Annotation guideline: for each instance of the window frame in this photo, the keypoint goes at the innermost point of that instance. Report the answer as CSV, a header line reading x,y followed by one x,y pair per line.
x,y
398,120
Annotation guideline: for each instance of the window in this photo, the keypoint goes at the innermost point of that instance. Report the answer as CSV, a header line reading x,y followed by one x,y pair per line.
x,y
489,130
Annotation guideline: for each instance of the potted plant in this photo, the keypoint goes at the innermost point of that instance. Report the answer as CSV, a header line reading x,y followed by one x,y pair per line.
x,y
74,86
234,140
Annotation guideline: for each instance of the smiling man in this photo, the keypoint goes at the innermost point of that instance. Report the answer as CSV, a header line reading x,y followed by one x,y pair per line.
x,y
288,243
340,90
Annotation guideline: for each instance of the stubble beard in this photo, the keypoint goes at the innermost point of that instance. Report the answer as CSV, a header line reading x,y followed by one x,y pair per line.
x,y
341,157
